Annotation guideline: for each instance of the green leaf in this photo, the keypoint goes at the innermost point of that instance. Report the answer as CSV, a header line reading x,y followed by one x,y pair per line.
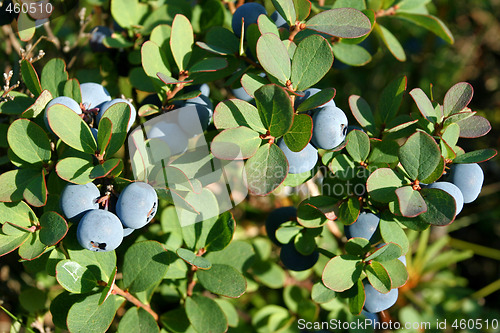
x,y
119,115
75,170
116,41
54,76
29,141
476,156
138,320
457,98
145,263
17,106
317,100
154,61
275,109
362,112
358,145
390,99
351,54
221,233
300,133
191,258
286,9
72,90
71,128
128,12
436,174
273,56
392,232
221,41
357,301
287,232
340,22
252,82
411,203
181,41
349,210
430,23
36,192
266,25
474,127
53,228
229,310
39,105
358,246
17,214
382,184
209,65
9,243
419,155
108,288
236,143
397,272
104,133
302,9
454,118
14,183
223,280
32,248
441,207
312,59
176,321
30,77
26,27
342,272
104,169
233,113
74,277
90,317
238,254
315,211
212,15
378,277
321,294
205,315
266,170
388,252
425,105
391,42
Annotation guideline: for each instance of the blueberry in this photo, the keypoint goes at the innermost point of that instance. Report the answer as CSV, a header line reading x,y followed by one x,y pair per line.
x,y
468,178
99,231
240,93
279,20
276,218
364,227
204,88
94,95
105,106
66,101
294,260
373,317
97,37
329,127
194,118
94,133
127,231
301,161
171,134
76,200
250,12
452,190
376,301
137,205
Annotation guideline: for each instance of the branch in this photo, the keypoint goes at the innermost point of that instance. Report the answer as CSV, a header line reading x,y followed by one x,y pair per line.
x,y
129,297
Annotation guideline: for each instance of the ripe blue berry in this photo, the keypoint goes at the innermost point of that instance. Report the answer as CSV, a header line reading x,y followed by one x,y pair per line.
x,y
364,227
94,95
105,106
99,231
279,20
376,301
250,12
468,178
301,161
296,261
329,127
171,134
76,200
137,205
240,93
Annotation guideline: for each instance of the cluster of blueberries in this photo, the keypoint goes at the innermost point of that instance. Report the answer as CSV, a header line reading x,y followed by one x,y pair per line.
x,y
96,100
102,230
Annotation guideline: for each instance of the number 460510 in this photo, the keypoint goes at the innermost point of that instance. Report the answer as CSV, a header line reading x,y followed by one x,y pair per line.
x,y
36,8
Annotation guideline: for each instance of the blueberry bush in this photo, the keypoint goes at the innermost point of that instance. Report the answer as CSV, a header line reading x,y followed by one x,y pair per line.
x,y
232,166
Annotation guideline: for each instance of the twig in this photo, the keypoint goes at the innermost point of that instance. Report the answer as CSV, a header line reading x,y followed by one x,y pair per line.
x,y
129,297
7,29
295,29
387,12
52,37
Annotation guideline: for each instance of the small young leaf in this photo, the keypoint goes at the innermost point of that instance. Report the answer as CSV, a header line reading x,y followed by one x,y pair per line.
x,y
104,133
191,258
378,277
342,272
30,78
119,115
340,22
312,59
273,56
390,99
300,133
457,98
391,42
302,9
425,105
104,169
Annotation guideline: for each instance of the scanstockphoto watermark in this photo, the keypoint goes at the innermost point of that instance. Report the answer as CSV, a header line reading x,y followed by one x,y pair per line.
x,y
365,324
